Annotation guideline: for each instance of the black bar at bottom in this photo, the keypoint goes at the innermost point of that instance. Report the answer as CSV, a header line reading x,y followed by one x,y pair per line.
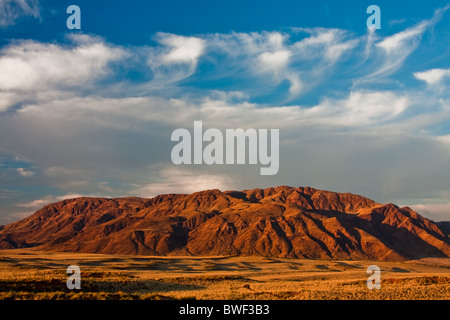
x,y
222,309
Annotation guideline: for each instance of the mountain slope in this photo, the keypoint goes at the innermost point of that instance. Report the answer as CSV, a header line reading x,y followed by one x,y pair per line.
x,y
281,222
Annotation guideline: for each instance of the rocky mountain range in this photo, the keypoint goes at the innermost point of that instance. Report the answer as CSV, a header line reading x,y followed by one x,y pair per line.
x,y
276,222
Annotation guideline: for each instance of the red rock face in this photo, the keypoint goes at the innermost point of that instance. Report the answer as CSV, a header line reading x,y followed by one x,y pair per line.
x,y
276,222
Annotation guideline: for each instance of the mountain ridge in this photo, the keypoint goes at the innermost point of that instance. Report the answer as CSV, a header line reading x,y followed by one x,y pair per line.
x,y
282,221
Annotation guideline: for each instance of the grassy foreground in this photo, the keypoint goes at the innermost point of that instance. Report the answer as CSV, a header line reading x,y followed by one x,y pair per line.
x,y
27,274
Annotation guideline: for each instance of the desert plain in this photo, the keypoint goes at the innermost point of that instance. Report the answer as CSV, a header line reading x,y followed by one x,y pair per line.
x,y
37,275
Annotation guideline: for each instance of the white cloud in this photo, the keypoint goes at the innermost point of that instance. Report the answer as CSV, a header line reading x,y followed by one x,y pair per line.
x,y
39,203
434,211
359,108
8,99
30,69
401,42
179,180
433,76
182,49
25,173
364,108
370,39
176,58
318,37
247,44
274,61
303,63
335,51
330,44
444,139
296,86
11,10
398,47
33,65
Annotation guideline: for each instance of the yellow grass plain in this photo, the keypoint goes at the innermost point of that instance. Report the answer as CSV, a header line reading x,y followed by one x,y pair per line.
x,y
37,275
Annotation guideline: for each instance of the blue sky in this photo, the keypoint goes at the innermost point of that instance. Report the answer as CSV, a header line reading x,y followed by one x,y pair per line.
x,y
90,112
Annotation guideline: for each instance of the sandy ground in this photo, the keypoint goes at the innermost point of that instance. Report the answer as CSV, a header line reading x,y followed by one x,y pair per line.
x,y
28,274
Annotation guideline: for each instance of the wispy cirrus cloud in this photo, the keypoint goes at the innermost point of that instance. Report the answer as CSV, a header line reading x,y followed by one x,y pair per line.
x,y
278,56
175,58
256,63
12,10
390,53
